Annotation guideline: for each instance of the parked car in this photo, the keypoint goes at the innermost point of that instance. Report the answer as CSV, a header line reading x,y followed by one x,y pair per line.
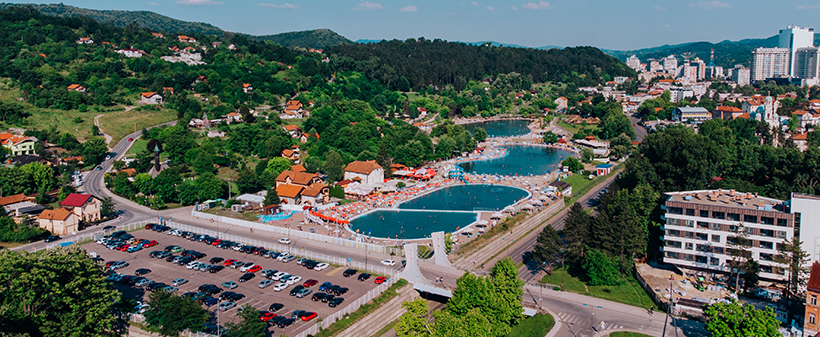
x,y
254,269
214,269
228,262
364,277
321,266
276,307
327,297
267,316
309,283
246,266
246,277
350,272
296,289
289,258
210,301
215,260
308,316
303,292
266,283
230,284
118,265
142,271
268,272
285,323
380,280
318,296
340,291
178,282
294,279
226,306
335,302
325,286
280,286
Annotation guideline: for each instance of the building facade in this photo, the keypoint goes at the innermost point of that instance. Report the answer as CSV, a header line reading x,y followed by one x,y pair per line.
x,y
806,63
741,75
366,172
794,38
811,321
770,63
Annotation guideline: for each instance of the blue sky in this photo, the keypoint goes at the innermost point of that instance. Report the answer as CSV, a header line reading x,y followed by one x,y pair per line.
x,y
608,24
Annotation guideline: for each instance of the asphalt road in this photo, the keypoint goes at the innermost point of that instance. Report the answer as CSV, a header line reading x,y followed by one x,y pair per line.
x,y
640,131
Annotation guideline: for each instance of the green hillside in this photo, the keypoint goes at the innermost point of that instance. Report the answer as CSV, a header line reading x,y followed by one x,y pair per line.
x,y
317,38
143,19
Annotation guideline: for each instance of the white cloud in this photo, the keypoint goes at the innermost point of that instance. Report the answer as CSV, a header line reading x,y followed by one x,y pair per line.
x,y
539,5
285,6
474,3
666,26
368,6
660,8
153,4
490,8
199,2
514,8
408,9
808,7
709,4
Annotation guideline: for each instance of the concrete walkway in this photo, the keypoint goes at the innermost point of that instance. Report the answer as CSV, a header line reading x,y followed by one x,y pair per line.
x,y
387,313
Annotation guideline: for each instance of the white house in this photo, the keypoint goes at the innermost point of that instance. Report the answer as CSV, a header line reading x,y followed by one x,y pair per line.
x,y
131,53
367,172
150,98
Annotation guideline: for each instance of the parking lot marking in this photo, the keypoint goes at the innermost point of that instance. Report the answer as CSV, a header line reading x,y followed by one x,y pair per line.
x,y
334,271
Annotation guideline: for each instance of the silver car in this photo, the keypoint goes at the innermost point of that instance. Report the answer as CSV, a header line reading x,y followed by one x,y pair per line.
x,y
266,283
289,258
303,292
118,265
226,306
178,282
143,282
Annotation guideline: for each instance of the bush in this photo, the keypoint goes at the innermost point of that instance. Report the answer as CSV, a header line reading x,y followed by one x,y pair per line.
x,y
599,269
535,326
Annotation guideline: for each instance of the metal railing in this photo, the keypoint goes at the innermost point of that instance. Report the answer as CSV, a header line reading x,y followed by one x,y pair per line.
x,y
93,236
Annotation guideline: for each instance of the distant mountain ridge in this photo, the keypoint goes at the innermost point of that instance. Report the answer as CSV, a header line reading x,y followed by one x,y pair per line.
x,y
493,43
317,38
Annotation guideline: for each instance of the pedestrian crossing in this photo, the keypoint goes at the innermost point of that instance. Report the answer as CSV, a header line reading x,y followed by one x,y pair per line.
x,y
585,321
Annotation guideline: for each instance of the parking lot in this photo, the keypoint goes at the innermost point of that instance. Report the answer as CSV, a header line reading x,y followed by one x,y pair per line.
x,y
261,299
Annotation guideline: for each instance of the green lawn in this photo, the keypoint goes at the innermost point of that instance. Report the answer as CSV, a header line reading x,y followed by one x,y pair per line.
x,y
627,292
627,334
574,128
139,146
119,124
535,326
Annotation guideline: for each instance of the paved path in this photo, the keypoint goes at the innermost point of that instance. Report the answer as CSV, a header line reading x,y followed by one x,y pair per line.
x,y
380,318
97,123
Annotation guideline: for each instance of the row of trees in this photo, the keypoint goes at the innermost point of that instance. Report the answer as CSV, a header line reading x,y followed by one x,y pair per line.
x,y
480,307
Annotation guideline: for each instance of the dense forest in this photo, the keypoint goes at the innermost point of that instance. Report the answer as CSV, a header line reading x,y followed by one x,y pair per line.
x,y
317,38
421,63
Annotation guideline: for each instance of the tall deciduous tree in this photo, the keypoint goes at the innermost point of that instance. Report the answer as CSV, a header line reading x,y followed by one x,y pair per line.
x,y
416,321
792,254
333,166
172,314
600,269
249,326
54,292
575,232
547,247
736,320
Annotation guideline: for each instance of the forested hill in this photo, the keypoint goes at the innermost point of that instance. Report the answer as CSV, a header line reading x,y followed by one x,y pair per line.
x,y
727,53
422,62
317,38
143,19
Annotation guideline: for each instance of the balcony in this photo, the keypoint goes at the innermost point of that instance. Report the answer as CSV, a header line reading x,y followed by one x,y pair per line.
x,y
662,237
663,217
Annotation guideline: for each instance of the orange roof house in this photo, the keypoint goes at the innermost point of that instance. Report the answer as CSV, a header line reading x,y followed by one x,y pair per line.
x,y
76,87
13,199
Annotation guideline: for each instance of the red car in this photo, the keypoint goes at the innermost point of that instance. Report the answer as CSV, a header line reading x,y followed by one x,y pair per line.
x,y
267,316
255,268
309,283
150,243
228,262
130,139
380,280
308,316
123,248
216,242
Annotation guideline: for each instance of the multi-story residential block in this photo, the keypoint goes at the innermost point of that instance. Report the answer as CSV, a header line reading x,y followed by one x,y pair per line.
x,y
806,63
770,63
701,226
634,62
811,322
670,64
741,75
794,38
655,66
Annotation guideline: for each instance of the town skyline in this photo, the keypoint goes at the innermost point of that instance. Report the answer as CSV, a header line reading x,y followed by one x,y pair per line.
x,y
525,23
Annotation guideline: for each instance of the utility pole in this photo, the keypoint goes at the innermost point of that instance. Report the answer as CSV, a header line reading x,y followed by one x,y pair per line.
x,y
668,308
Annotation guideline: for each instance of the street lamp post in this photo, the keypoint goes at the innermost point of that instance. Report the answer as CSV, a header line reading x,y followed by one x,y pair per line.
x,y
668,308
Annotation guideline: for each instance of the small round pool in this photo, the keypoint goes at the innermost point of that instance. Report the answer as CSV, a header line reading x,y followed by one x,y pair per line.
x,y
470,197
520,160
501,128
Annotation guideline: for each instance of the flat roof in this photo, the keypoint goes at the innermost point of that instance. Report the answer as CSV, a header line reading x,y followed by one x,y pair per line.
x,y
728,198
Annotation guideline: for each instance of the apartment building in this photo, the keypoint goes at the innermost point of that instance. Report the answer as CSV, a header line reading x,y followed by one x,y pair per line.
x,y
770,63
700,226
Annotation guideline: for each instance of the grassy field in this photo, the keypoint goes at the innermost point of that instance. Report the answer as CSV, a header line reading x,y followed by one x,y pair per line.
x,y
119,124
627,292
535,326
139,146
627,334
574,128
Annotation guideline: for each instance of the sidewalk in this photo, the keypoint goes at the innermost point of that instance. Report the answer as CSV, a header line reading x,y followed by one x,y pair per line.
x,y
380,318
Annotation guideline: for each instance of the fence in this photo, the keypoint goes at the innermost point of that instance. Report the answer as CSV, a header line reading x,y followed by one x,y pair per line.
x,y
82,238
398,251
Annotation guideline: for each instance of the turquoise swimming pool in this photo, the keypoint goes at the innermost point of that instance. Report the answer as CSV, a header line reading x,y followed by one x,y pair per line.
x,y
520,160
446,209
501,128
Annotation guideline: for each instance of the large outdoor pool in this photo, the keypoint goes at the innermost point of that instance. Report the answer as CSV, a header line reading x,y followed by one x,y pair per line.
x,y
501,128
520,160
408,224
446,209
471,197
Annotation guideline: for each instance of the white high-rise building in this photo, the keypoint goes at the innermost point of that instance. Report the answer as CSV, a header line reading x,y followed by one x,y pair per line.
x,y
806,63
670,64
794,38
655,66
634,62
741,75
770,63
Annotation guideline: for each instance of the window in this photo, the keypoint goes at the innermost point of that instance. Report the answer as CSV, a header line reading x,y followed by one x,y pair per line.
x,y
672,222
767,232
688,223
765,257
780,246
690,211
700,259
714,261
690,246
750,218
733,216
716,238
783,222
704,214
779,271
732,228
780,234
766,269
703,248
766,220
702,236
704,225
673,255
717,250
689,235
688,257
716,227
674,244
675,210
673,232
813,300
718,215
811,319
765,245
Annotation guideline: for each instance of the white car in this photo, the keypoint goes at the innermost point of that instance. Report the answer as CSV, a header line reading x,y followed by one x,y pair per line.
x,y
284,241
321,266
192,265
389,262
282,256
278,276
294,280
247,266
280,286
